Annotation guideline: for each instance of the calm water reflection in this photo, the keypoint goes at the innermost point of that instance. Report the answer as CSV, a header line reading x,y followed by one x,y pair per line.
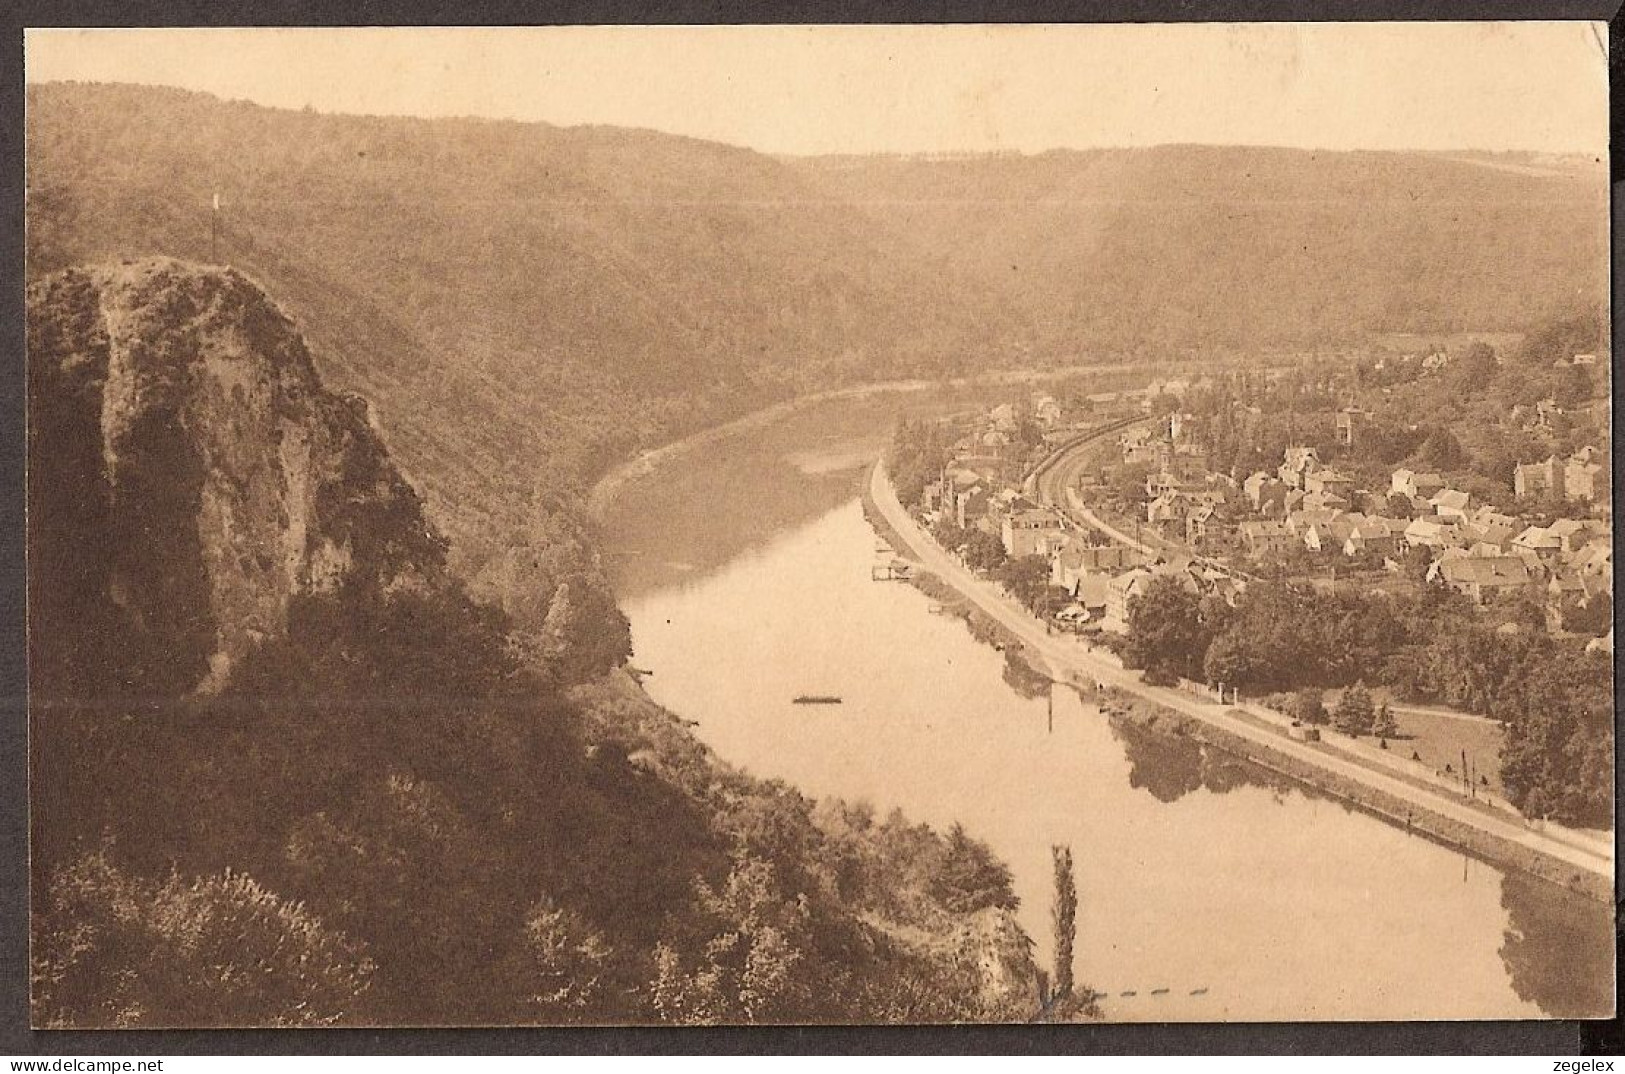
x,y
1169,766
745,573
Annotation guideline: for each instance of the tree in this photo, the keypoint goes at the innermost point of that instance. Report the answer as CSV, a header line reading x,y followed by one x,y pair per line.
x,y
1129,486
1050,599
1383,442
1557,759
1524,612
1384,726
983,550
1282,635
561,965
1063,916
1564,337
1166,632
1593,618
971,878
1415,561
1309,707
1572,386
1026,577
1353,715
1230,660
749,967
1496,449
1474,369
1400,505
948,533
1442,451
919,452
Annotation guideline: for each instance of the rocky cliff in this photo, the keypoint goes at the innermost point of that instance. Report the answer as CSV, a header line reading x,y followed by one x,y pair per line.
x,y
285,771
191,475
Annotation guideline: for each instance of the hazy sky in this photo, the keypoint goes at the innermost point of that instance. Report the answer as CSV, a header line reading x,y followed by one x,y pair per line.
x,y
1540,86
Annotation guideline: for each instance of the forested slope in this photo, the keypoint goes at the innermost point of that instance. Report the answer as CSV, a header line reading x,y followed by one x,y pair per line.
x,y
1180,246
524,305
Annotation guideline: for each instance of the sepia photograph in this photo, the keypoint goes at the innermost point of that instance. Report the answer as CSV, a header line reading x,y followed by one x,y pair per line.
x,y
819,525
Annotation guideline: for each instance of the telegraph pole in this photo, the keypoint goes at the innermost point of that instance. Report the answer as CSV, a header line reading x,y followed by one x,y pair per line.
x,y
214,231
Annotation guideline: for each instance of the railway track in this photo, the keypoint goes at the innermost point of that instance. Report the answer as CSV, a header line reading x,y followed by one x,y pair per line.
x,y
1057,471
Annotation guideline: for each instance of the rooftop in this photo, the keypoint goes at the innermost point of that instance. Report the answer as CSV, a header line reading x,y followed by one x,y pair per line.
x,y
1484,570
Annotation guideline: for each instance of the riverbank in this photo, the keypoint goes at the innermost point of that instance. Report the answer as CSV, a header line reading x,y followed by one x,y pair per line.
x,y
983,627
1499,841
607,487
1367,799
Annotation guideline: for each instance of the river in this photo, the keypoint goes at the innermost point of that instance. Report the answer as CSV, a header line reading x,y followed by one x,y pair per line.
x,y
1209,888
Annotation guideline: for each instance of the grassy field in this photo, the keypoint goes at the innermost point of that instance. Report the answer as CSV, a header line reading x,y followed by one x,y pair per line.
x,y
1439,740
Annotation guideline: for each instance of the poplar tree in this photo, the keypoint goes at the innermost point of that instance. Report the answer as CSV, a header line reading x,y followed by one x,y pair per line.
x,y
1064,915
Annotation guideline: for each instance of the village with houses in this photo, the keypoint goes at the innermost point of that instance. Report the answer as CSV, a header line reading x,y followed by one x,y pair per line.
x,y
1277,533
1305,517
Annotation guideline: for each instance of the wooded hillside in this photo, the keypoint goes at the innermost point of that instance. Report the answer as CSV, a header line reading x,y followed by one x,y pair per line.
x,y
1142,250
525,304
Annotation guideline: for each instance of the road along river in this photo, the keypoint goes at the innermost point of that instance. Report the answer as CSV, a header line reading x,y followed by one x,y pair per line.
x,y
1209,888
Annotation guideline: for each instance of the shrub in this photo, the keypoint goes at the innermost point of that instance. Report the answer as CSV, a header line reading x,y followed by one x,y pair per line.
x,y
1159,675
120,951
1309,707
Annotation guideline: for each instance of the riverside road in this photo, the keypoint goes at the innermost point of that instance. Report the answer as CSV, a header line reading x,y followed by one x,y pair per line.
x,y
1068,659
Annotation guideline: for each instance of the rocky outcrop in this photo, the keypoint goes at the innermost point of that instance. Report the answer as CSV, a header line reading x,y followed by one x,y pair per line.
x,y
1003,954
261,703
189,477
